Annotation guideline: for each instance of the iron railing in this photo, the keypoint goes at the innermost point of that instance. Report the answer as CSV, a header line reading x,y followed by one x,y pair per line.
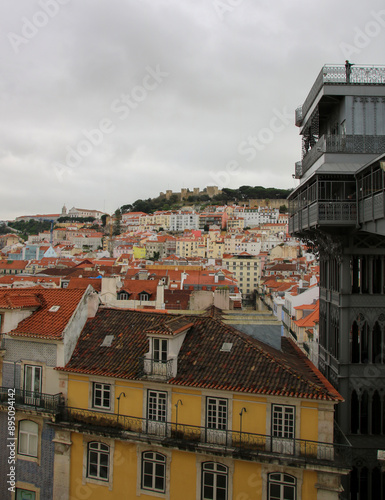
x,y
50,403
156,368
187,436
333,74
348,144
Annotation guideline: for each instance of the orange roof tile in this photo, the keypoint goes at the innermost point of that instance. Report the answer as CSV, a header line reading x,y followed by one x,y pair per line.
x,y
44,323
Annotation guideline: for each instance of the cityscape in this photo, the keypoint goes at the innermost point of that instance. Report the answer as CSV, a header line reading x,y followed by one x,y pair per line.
x,y
179,326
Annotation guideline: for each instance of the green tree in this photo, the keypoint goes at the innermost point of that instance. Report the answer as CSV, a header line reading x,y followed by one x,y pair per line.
x,y
117,223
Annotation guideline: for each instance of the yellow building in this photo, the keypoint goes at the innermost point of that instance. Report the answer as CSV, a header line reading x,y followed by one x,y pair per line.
x,y
246,269
139,252
186,407
188,247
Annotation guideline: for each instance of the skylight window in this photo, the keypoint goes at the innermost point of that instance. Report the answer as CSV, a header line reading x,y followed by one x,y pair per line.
x,y
226,347
54,309
107,341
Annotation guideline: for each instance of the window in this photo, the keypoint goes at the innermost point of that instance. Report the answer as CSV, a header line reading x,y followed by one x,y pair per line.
x,y
28,438
101,396
159,347
144,297
153,471
98,461
214,481
25,494
281,487
32,384
216,417
157,406
283,422
123,296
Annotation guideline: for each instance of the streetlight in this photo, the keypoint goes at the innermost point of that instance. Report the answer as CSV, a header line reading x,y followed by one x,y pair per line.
x,y
118,398
240,424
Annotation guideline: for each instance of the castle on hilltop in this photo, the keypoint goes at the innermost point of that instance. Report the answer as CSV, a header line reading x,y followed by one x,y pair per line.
x,y
184,193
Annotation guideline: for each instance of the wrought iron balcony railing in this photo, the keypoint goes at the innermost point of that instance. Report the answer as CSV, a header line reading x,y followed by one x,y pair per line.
x,y
331,213
347,144
156,368
38,401
186,436
333,74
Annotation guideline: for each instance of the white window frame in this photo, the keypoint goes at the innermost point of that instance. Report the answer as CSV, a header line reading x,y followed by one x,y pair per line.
x,y
159,349
280,481
87,439
103,388
96,447
31,396
283,421
215,417
214,469
32,439
144,297
159,411
283,427
155,463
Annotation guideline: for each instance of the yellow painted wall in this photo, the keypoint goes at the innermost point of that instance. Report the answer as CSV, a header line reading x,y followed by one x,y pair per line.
x,y
309,421
139,252
132,403
309,491
189,412
125,470
247,481
254,419
184,476
78,390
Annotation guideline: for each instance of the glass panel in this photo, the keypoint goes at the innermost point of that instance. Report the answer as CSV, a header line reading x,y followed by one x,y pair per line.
x,y
288,493
23,443
208,493
159,483
25,495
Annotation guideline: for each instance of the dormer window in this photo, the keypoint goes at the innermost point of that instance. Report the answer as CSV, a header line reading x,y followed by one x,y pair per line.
x,y
144,297
159,350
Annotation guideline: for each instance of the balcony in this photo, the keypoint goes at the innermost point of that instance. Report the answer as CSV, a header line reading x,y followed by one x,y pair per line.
x,y
333,74
194,438
346,144
330,213
28,400
156,368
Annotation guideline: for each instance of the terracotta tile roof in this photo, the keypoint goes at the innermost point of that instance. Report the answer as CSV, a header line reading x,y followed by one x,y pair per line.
x,y
12,300
177,299
135,287
44,323
14,264
250,366
83,283
20,278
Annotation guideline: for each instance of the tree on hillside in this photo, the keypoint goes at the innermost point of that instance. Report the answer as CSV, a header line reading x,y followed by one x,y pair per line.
x,y
117,223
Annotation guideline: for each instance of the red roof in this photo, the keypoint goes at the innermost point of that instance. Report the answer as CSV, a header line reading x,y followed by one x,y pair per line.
x,y
250,366
45,323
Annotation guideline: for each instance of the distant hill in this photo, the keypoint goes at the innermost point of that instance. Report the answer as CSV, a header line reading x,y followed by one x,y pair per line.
x,y
226,196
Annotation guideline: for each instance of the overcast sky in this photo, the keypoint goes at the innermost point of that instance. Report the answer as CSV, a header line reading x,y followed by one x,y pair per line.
x,y
105,102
